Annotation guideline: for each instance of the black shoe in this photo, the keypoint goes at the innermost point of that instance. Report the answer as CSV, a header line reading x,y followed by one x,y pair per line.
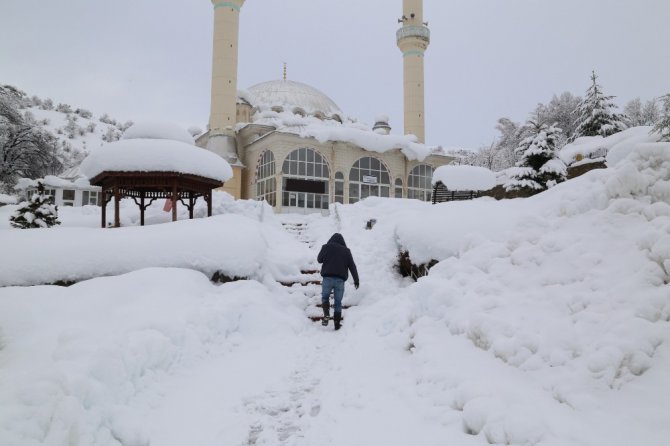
x,y
326,314
337,319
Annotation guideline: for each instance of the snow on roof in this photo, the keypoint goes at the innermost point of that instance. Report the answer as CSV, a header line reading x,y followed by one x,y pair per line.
x,y
347,131
616,146
157,130
289,95
465,177
51,181
156,155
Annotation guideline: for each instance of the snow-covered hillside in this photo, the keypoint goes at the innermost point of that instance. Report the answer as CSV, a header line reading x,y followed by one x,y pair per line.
x,y
77,131
545,322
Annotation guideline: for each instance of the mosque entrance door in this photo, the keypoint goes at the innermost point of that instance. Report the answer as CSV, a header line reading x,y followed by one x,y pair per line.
x,y
304,197
305,182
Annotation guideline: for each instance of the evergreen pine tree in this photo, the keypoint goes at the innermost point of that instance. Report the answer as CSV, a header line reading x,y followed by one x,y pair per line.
x,y
596,113
38,212
538,167
663,125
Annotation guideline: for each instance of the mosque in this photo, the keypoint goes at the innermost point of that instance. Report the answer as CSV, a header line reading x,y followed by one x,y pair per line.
x,y
292,146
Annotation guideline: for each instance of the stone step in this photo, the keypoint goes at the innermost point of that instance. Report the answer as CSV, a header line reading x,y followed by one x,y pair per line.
x,y
301,283
344,306
319,318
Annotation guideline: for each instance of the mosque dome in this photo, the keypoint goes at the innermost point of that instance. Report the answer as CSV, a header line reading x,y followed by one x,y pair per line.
x,y
291,96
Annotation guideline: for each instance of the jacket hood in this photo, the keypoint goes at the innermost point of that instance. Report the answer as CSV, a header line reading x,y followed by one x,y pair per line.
x,y
337,238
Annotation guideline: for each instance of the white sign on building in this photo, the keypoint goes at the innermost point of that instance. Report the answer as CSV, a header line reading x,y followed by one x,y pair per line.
x,y
369,179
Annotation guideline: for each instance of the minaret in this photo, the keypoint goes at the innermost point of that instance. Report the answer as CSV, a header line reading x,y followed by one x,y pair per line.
x,y
413,40
223,115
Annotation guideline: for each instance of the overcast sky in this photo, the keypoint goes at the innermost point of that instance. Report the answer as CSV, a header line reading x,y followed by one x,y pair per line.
x,y
139,59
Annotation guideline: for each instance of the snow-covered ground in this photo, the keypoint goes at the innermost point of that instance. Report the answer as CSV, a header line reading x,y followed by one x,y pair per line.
x,y
545,322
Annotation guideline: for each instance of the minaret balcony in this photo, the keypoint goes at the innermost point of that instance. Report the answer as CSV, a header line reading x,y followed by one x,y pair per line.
x,y
416,32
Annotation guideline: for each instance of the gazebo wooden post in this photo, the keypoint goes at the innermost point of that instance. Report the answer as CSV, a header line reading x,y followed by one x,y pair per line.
x,y
174,200
104,208
103,221
191,204
117,199
209,203
142,208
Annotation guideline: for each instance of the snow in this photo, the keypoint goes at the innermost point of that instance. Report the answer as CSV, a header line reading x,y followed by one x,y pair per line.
x,y
53,181
545,322
202,244
89,216
89,135
460,178
156,155
290,95
8,199
157,130
616,146
348,131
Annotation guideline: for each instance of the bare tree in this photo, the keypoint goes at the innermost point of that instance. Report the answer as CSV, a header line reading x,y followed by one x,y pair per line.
x,y
25,149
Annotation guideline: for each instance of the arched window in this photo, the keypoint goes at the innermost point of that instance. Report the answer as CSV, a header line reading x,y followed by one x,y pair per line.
x,y
305,180
419,182
368,177
266,183
339,188
398,188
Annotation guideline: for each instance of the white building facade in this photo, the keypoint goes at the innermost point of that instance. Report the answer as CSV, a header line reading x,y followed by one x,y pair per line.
x,y
301,154
69,189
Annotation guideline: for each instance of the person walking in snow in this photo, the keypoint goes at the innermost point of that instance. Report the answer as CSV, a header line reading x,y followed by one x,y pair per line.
x,y
337,262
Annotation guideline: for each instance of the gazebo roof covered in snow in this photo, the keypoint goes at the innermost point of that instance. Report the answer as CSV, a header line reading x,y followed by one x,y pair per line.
x,y
156,148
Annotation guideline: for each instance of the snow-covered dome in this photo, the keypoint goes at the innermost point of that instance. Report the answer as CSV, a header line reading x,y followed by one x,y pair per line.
x,y
157,130
291,95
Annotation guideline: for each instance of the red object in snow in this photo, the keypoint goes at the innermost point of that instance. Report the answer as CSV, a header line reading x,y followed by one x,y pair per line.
x,y
167,207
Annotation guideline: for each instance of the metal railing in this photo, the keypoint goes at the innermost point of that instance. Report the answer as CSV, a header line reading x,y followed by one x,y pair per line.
x,y
420,32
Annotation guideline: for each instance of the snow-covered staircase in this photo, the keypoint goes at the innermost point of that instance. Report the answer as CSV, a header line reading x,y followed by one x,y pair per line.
x,y
309,281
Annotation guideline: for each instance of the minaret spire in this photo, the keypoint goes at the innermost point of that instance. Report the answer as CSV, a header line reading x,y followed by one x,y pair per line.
x,y
223,116
413,39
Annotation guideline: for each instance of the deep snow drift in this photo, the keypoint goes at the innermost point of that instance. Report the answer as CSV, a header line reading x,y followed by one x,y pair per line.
x,y
545,322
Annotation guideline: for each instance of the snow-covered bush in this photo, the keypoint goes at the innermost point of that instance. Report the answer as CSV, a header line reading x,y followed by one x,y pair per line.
x,y
64,108
48,104
38,212
663,125
105,119
539,167
86,114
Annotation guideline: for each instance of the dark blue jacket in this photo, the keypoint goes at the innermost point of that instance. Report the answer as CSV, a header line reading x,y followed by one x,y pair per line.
x,y
337,260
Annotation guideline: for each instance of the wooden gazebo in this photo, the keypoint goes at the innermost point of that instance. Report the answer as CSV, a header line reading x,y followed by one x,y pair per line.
x,y
152,162
146,187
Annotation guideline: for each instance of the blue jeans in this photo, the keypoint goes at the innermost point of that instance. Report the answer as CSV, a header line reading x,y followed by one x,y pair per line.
x,y
336,285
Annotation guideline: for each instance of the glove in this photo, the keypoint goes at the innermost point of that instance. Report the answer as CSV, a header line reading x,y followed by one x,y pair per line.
x,y
356,285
